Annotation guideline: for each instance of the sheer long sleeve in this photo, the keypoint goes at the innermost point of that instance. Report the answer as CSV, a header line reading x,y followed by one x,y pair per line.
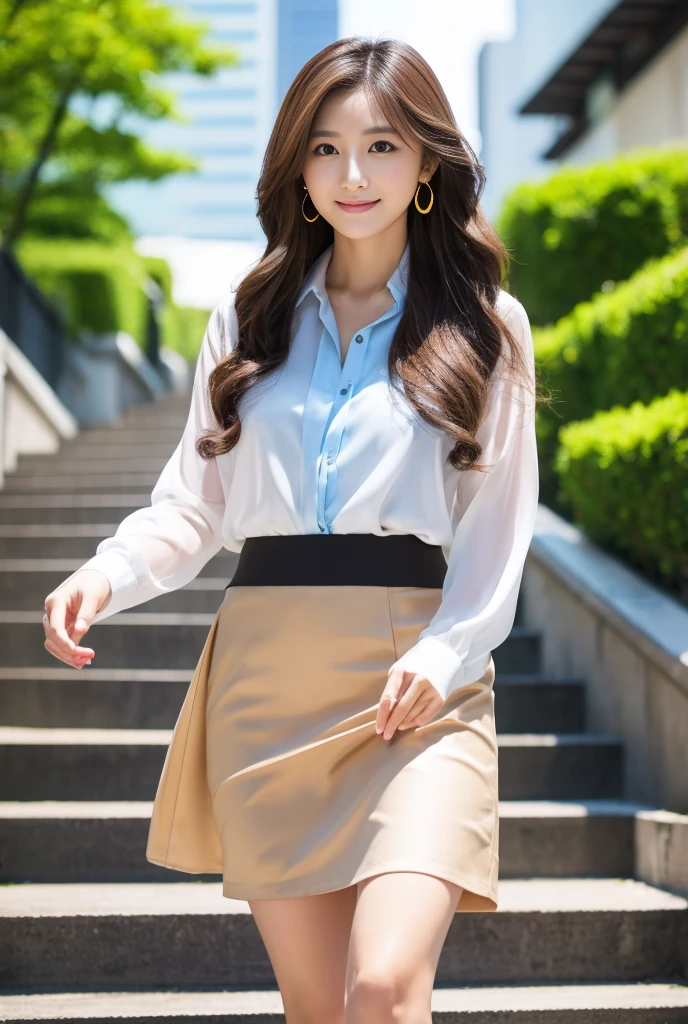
x,y
162,547
495,519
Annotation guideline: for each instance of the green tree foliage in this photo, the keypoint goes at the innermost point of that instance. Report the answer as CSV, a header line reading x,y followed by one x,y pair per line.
x,y
56,55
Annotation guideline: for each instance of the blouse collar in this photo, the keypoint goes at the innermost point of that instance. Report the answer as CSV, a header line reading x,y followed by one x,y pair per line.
x,y
315,278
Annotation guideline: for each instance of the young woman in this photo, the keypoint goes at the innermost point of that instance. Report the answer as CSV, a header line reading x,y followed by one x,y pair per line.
x,y
362,431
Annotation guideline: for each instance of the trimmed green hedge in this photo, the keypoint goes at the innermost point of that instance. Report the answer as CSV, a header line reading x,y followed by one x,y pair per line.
x,y
625,474
159,269
183,328
584,226
96,287
628,345
99,287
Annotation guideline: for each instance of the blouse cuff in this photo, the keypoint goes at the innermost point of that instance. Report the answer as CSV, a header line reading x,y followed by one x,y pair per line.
x,y
435,660
121,576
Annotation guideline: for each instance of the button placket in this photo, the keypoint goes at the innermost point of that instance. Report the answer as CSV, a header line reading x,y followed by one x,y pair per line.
x,y
323,431
332,437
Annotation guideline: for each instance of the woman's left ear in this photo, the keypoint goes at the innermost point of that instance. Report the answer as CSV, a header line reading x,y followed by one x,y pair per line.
x,y
430,167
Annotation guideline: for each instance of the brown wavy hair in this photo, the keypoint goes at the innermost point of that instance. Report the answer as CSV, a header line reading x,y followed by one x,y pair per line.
x,y
449,336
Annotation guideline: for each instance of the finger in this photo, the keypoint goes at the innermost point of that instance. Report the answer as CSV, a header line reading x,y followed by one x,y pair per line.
x,y
401,710
70,652
55,629
414,714
85,615
69,657
54,644
388,702
417,713
395,688
74,660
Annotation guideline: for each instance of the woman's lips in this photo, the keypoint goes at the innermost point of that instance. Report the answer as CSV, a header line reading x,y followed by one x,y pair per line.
x,y
357,207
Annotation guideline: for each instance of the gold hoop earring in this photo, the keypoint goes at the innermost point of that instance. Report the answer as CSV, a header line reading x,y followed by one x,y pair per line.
x,y
309,219
432,197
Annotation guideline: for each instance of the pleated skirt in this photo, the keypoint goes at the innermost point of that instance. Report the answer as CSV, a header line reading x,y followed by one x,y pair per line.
x,y
275,777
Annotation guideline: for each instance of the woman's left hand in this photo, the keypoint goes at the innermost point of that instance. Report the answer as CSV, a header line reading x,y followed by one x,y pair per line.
x,y
408,700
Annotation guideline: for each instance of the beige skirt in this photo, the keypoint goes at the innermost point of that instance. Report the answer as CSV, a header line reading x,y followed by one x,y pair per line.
x,y
275,777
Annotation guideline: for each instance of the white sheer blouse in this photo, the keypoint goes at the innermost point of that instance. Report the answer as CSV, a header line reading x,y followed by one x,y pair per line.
x,y
328,446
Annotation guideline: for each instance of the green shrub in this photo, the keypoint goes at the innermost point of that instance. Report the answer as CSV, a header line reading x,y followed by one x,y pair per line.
x,y
584,226
100,288
625,475
97,287
159,269
183,328
628,345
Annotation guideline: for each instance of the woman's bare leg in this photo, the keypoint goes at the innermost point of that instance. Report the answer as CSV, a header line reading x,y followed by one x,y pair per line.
x,y
399,927
307,941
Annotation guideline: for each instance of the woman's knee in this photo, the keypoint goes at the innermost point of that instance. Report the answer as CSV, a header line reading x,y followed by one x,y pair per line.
x,y
383,993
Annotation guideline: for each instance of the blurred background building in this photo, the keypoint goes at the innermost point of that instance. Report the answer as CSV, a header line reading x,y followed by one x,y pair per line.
x,y
579,82
229,118
205,224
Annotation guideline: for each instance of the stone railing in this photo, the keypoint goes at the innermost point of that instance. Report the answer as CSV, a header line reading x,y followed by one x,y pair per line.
x,y
627,640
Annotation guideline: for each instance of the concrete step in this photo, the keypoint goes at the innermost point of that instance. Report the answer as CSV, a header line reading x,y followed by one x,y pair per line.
x,y
564,766
101,439
135,639
104,699
103,482
51,540
130,639
125,764
25,583
25,590
91,841
54,540
119,936
158,416
168,409
530,702
28,509
90,465
626,1003
151,698
81,764
78,452
26,542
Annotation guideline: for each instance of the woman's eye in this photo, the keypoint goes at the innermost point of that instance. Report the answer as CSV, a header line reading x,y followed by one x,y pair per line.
x,y
380,142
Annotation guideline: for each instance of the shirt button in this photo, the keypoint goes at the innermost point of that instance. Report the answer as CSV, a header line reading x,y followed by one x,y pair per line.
x,y
343,391
359,337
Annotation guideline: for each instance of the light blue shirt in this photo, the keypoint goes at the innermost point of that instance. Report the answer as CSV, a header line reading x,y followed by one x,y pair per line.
x,y
333,386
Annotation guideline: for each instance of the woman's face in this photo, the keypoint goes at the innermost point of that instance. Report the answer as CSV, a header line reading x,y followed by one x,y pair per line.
x,y
351,158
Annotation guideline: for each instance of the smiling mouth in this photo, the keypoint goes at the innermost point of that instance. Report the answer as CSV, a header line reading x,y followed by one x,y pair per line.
x,y
357,206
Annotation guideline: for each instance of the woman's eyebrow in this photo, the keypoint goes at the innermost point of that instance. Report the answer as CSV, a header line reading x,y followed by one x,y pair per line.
x,y
378,129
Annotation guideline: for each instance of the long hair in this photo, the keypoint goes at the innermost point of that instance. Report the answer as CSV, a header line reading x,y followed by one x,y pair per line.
x,y
449,336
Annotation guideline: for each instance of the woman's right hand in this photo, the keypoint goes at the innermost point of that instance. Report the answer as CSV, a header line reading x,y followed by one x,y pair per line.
x,y
69,612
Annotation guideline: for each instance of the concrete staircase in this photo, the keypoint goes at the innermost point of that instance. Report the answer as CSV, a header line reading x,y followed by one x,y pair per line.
x,y
90,930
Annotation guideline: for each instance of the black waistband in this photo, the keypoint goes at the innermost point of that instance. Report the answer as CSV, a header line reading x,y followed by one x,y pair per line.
x,y
359,559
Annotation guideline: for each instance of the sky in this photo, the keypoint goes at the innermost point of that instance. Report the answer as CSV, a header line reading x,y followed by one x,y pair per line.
x,y
447,33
